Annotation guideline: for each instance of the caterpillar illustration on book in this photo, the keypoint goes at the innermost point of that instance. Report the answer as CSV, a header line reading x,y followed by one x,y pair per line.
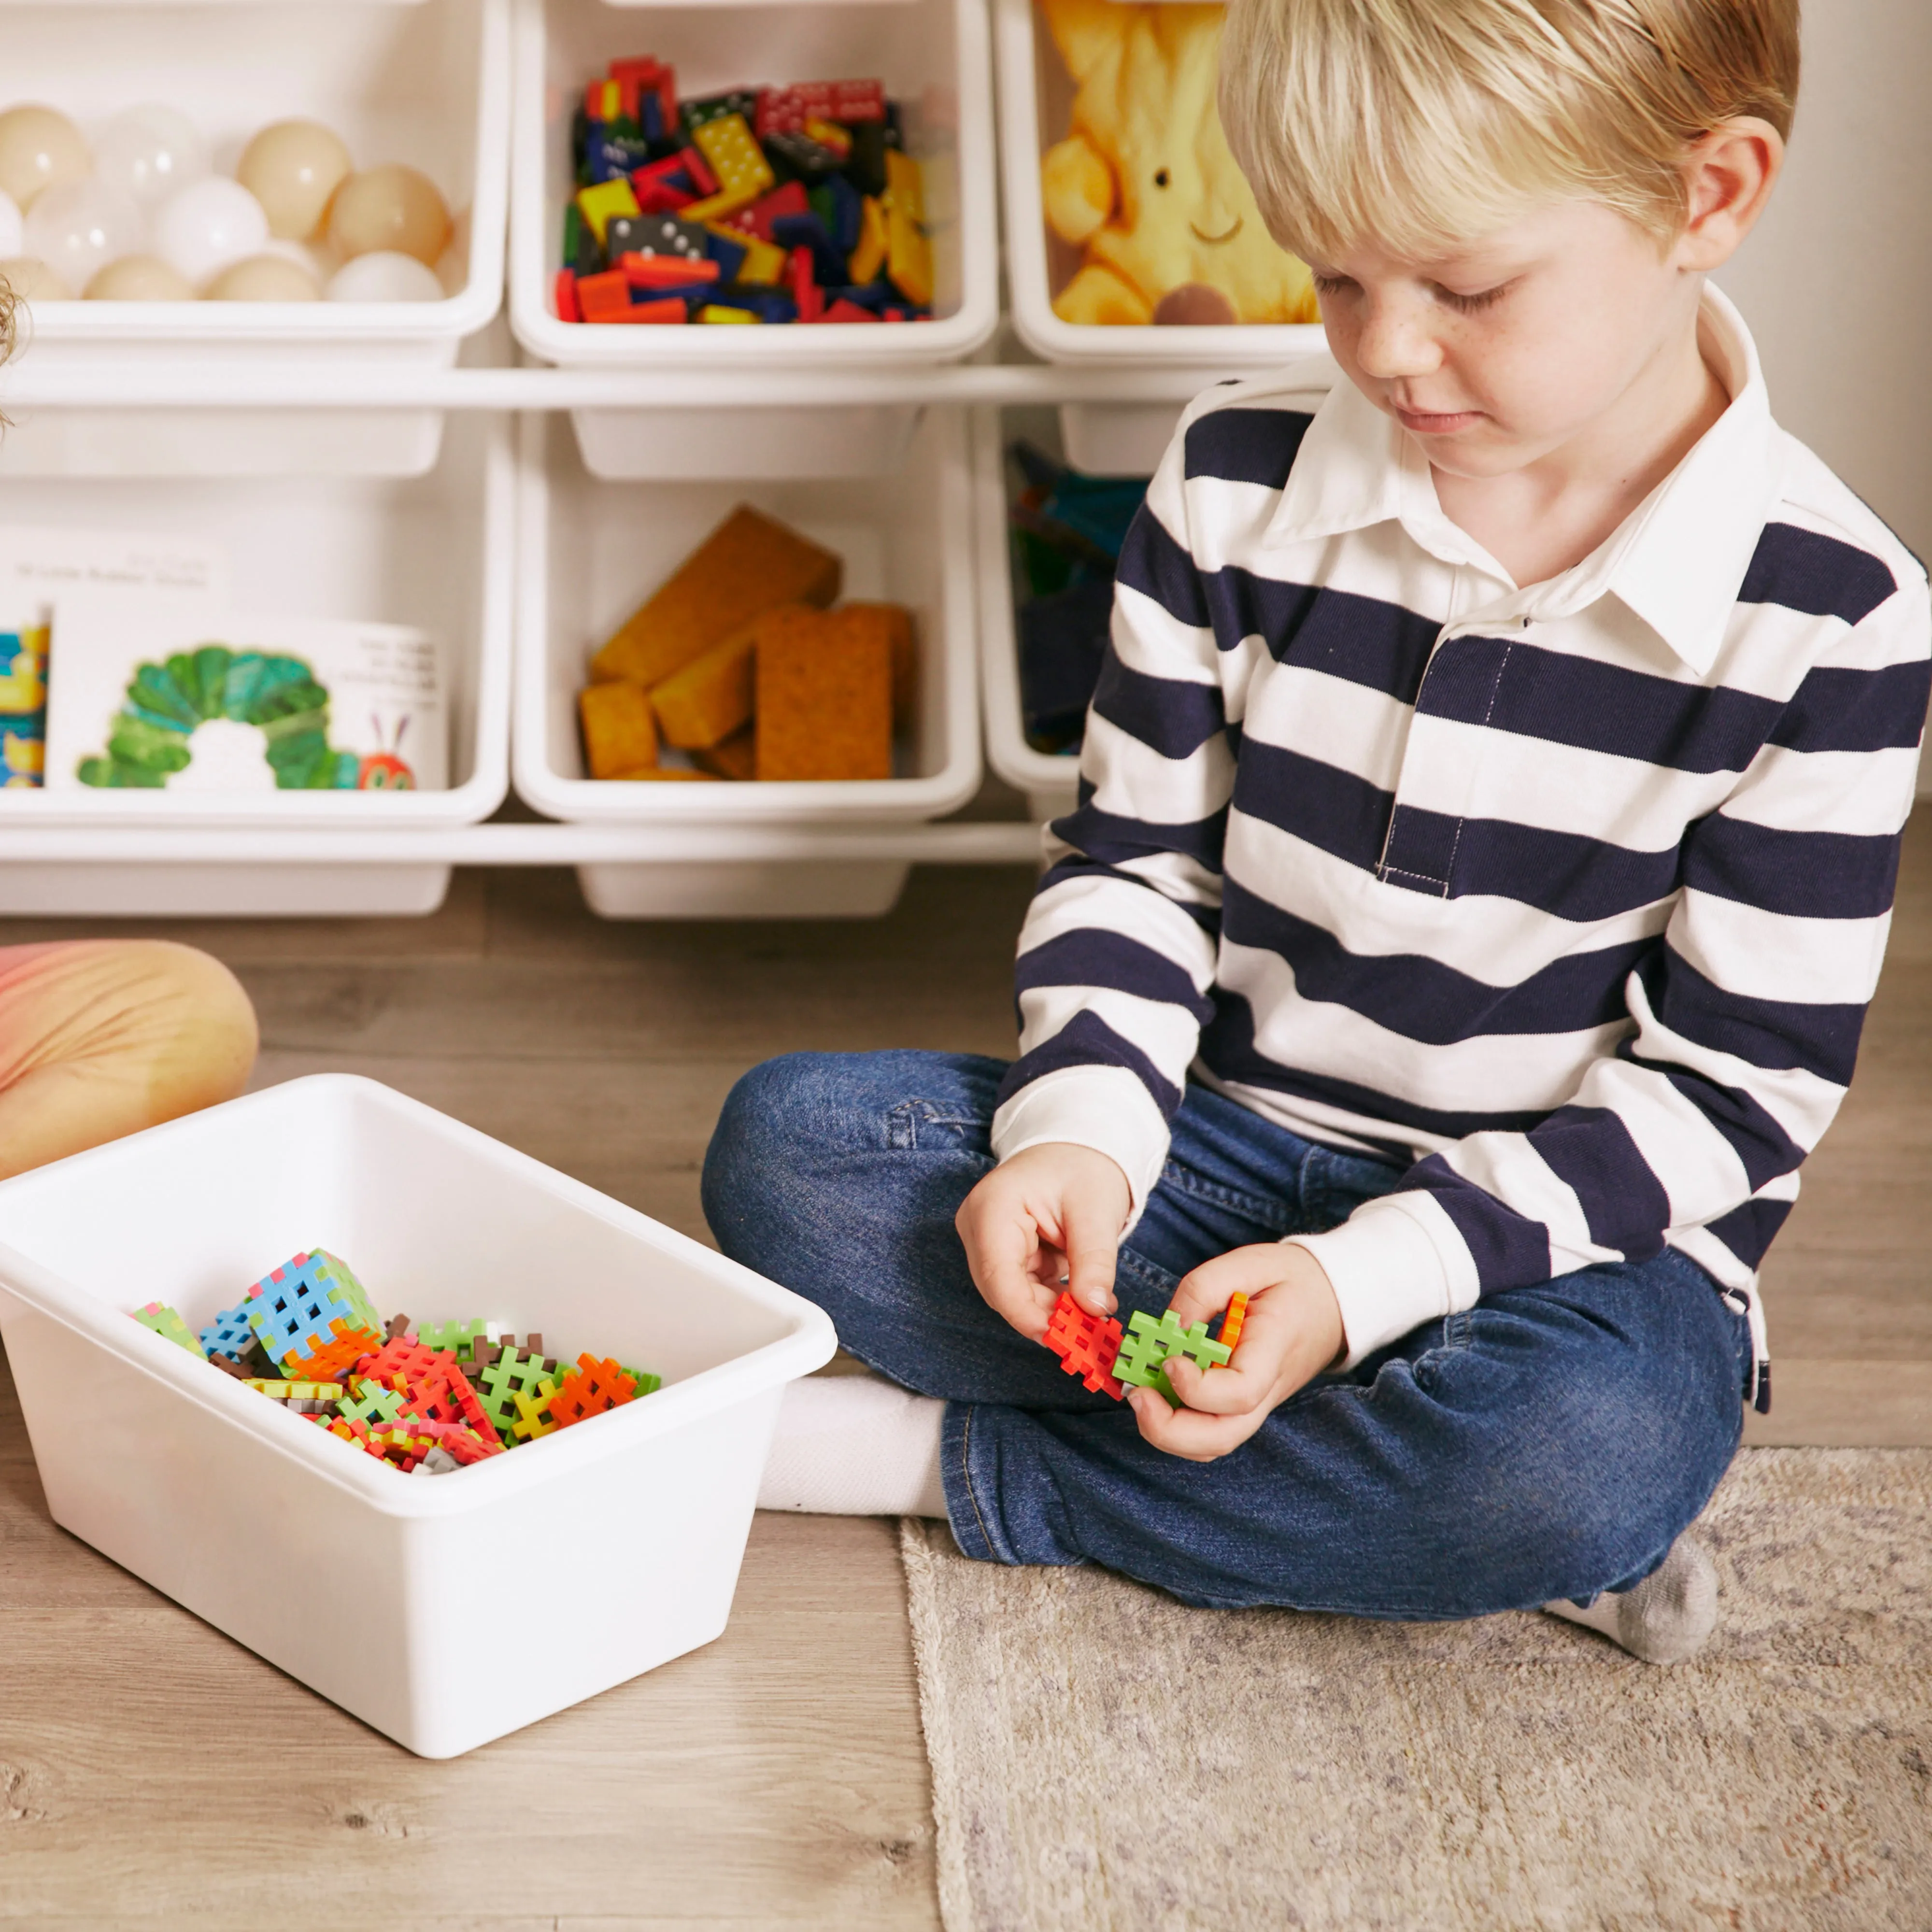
x,y
278,696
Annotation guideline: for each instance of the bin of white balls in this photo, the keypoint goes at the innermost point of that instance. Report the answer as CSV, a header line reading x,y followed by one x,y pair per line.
x,y
261,185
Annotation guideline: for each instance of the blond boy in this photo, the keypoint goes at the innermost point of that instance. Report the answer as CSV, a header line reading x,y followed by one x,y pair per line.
x,y
1489,816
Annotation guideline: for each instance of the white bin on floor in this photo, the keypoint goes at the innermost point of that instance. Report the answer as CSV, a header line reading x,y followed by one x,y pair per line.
x,y
412,1602
932,55
591,551
1124,438
436,551
427,84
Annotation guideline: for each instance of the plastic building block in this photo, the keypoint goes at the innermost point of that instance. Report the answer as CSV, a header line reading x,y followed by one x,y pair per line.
x,y
1232,1323
460,1337
604,297
231,1333
460,1441
844,310
644,1382
367,1400
748,564
590,1389
438,1462
908,250
166,1324
397,1325
533,1418
311,1300
654,273
1086,1344
1147,1344
407,1357
447,1396
568,309
599,203
333,1359
511,1374
717,312
287,1391
869,255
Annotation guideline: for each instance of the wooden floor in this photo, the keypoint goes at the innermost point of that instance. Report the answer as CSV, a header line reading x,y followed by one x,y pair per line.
x,y
152,1771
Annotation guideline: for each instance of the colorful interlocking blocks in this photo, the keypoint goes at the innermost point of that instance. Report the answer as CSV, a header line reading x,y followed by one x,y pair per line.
x,y
1233,1322
1147,1344
166,1324
426,1399
1086,1344
306,1306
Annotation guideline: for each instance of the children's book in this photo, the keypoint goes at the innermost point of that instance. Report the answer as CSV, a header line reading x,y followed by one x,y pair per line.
x,y
147,693
38,564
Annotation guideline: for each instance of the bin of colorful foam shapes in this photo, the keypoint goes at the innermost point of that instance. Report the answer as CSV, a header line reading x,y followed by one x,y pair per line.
x,y
1110,1359
427,1399
743,664
762,204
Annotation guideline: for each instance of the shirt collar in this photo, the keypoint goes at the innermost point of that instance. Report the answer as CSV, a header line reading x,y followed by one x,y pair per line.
x,y
1678,560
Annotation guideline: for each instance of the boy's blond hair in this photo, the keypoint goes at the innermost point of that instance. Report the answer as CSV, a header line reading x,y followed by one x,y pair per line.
x,y
1420,124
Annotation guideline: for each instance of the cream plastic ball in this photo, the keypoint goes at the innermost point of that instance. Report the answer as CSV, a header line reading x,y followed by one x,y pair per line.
x,y
140,278
79,227
390,208
40,149
272,278
203,228
13,230
384,277
31,280
293,168
150,151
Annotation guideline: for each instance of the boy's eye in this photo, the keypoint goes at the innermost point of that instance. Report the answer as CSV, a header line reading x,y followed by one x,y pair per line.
x,y
1482,298
1330,285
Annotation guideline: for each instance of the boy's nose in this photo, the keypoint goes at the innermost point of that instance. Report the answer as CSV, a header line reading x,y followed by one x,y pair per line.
x,y
1395,342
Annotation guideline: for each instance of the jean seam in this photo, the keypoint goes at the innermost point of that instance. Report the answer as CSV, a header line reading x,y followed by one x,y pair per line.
x,y
1265,1209
966,1471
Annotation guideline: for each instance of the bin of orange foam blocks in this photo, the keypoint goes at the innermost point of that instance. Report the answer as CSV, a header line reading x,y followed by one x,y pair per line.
x,y
744,664
427,1400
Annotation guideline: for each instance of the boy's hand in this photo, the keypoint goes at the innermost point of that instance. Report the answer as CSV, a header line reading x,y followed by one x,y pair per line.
x,y
1052,1213
1294,1331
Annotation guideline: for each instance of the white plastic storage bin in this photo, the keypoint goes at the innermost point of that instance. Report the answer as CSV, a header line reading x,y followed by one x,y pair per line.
x,y
427,84
1051,782
932,54
591,551
404,1599
1123,438
436,551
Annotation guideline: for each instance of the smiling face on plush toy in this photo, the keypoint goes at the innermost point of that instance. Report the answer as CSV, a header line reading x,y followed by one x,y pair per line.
x,y
1144,183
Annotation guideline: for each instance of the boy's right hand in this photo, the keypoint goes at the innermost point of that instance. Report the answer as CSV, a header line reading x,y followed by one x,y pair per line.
x,y
1049,1217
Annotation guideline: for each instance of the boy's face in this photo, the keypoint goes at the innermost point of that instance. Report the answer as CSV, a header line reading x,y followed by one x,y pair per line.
x,y
1496,356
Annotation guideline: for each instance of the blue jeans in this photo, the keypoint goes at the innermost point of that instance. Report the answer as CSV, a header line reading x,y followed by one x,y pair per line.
x,y
1551,1441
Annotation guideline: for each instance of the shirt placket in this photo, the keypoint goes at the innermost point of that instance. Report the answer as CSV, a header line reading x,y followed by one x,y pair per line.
x,y
1418,852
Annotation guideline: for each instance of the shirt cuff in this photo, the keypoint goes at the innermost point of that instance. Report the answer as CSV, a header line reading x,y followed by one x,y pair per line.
x,y
1396,1262
1103,1107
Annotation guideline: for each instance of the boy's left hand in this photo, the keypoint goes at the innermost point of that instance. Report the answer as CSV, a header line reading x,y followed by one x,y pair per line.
x,y
1294,1332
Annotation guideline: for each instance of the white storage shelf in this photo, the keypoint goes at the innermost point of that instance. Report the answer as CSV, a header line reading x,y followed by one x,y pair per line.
x,y
591,551
436,551
372,1588
933,56
427,84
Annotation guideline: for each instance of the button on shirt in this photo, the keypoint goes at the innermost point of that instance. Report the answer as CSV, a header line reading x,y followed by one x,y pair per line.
x,y
1570,895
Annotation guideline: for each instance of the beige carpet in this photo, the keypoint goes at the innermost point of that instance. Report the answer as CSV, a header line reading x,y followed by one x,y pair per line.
x,y
1103,1757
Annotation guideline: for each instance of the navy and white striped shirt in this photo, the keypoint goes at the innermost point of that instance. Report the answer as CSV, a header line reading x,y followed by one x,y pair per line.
x,y
1571,895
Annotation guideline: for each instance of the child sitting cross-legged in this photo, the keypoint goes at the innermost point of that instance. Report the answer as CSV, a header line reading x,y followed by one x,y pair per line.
x,y
1489,813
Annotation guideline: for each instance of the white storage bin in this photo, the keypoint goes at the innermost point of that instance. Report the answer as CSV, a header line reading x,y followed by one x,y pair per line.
x,y
444,1610
590,551
437,551
1051,783
932,54
1124,438
427,84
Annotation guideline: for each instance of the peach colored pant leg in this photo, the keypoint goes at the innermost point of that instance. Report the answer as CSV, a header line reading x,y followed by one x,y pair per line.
x,y
100,1038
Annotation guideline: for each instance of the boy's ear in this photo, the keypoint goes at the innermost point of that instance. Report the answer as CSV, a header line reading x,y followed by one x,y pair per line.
x,y
1728,180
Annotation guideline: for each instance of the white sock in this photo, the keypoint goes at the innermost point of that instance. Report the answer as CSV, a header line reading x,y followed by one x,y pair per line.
x,y
855,1445
1666,1617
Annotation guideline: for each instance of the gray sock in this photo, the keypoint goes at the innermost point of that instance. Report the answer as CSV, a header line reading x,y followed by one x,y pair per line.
x,y
1667,1617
